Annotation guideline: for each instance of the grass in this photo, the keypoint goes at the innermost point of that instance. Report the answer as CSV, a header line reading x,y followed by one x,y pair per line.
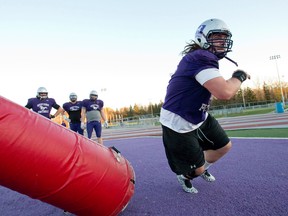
x,y
265,132
248,112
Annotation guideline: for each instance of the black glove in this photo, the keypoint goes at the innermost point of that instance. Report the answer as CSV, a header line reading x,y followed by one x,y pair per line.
x,y
52,116
240,75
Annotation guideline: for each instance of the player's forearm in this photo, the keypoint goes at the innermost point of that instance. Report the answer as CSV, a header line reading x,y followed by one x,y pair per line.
x,y
59,111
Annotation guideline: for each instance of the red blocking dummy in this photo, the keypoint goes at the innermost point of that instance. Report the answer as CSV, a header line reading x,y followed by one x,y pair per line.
x,y
49,162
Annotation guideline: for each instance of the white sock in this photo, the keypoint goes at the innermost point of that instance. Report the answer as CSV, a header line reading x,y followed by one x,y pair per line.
x,y
207,165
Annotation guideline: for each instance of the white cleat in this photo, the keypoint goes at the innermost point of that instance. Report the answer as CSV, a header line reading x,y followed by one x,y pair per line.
x,y
208,177
186,184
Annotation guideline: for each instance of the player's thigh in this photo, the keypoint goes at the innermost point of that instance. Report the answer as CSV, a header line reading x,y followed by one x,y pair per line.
x,y
182,150
212,135
98,128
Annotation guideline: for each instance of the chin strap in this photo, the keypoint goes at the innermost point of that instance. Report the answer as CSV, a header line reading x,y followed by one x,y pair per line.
x,y
231,61
223,55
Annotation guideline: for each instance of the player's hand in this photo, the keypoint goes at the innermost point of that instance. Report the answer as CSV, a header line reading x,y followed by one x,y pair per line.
x,y
83,126
52,116
106,124
241,75
66,118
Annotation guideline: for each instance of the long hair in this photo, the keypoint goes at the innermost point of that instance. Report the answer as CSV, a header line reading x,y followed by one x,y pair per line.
x,y
190,47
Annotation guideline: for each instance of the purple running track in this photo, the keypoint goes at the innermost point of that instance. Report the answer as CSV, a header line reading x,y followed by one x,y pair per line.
x,y
250,180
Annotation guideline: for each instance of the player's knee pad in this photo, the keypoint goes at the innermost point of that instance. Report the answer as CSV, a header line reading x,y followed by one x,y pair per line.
x,y
191,175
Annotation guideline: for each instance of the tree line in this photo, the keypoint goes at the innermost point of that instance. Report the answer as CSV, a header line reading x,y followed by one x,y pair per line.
x,y
267,92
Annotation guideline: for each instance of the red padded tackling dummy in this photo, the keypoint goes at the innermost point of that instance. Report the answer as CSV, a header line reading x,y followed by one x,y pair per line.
x,y
51,163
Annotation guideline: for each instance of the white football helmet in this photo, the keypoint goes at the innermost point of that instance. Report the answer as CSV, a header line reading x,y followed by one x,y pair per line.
x,y
42,93
92,94
213,26
73,97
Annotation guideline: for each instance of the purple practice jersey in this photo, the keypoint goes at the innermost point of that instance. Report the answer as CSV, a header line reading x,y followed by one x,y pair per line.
x,y
73,110
185,96
42,107
93,105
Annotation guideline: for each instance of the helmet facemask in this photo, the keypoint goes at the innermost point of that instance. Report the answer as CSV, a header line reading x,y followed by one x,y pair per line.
x,y
93,95
219,42
73,98
42,93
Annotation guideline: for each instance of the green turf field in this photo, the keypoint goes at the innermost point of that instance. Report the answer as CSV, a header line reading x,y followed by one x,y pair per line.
x,y
269,132
248,112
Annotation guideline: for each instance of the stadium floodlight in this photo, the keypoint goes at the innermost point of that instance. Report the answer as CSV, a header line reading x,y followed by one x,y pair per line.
x,y
275,57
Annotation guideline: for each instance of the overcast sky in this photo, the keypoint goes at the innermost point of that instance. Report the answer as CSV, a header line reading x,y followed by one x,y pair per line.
x,y
126,50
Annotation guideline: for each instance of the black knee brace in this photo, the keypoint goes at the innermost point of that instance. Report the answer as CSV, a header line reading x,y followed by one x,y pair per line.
x,y
191,175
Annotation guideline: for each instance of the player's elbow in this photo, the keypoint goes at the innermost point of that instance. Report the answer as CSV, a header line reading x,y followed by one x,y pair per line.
x,y
224,95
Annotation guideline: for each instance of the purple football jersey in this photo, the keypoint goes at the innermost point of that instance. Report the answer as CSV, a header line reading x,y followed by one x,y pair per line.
x,y
93,105
73,110
185,96
42,107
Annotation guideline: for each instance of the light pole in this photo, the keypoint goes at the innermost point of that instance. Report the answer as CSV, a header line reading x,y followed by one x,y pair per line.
x,y
243,98
103,90
275,57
